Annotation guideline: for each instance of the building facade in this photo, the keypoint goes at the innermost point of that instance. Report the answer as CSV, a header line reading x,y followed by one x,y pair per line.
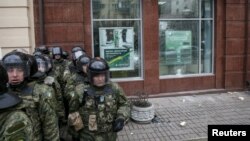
x,y
16,26
161,47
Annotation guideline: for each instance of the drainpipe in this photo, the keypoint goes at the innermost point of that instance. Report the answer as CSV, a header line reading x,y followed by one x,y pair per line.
x,y
41,21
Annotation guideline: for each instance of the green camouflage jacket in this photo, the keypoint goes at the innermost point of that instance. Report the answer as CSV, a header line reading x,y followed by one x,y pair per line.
x,y
15,125
74,80
53,83
99,107
39,106
59,67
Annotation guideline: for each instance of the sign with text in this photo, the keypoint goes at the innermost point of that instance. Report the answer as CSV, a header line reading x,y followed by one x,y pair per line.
x,y
228,132
117,47
178,49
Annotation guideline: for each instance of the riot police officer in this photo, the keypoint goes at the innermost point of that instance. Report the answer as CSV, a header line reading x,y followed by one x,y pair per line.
x,y
42,79
102,106
76,52
69,71
59,66
11,117
80,77
34,98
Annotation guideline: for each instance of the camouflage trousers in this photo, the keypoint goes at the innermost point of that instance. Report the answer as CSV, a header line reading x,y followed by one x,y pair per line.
x,y
105,136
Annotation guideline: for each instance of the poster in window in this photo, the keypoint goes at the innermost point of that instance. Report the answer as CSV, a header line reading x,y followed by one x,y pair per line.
x,y
178,47
117,47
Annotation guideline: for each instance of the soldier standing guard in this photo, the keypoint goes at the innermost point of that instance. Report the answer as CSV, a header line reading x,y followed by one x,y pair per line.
x,y
80,76
15,124
34,98
102,108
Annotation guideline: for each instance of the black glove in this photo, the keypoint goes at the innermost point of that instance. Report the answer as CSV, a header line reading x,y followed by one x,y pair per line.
x,y
118,124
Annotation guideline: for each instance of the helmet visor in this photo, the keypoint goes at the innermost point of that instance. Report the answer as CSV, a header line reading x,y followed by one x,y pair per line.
x,y
77,54
42,65
14,64
56,51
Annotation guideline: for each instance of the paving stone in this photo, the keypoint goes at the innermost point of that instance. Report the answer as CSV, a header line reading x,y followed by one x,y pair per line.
x,y
198,111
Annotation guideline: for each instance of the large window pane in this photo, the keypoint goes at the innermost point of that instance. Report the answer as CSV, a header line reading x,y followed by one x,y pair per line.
x,y
178,8
186,40
116,9
117,36
179,47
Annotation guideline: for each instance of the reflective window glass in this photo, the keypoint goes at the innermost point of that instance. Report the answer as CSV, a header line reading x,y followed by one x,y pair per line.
x,y
186,40
117,36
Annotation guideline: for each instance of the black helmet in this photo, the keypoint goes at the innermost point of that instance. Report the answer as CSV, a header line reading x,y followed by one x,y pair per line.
x,y
49,62
33,65
42,63
17,60
4,80
6,99
76,52
82,61
31,62
21,50
37,52
42,49
77,48
56,51
65,55
42,66
98,66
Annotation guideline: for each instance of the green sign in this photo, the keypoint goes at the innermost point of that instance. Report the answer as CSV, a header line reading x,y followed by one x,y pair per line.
x,y
178,39
117,47
117,58
178,47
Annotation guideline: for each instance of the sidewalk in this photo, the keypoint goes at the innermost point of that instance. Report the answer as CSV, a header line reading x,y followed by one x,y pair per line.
x,y
196,111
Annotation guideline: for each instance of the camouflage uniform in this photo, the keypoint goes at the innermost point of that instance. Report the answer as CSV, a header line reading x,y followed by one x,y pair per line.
x,y
36,99
74,80
15,125
98,108
76,52
42,79
78,78
59,67
39,108
69,71
52,82
52,101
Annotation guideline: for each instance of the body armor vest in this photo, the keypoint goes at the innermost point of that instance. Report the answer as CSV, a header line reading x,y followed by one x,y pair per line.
x,y
99,109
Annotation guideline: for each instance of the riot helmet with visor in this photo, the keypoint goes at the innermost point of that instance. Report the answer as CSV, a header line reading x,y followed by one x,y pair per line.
x,y
82,63
42,49
98,66
17,61
76,52
57,51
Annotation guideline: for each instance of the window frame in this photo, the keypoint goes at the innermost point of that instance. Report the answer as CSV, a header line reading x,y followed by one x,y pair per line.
x,y
200,20
141,58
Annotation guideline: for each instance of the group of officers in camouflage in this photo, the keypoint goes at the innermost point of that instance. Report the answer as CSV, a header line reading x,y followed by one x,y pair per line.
x,y
44,92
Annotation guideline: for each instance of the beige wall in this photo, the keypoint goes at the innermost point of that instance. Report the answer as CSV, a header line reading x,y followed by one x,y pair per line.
x,y
16,26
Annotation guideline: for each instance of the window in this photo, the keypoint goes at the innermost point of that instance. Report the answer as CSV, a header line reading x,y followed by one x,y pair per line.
x,y
185,36
117,36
